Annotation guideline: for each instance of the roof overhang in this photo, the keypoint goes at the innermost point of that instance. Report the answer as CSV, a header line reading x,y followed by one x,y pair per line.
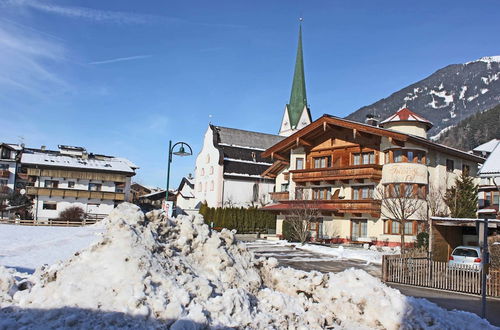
x,y
326,122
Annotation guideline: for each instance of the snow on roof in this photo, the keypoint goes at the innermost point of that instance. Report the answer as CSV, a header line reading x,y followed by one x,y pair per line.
x,y
46,159
488,146
406,114
491,166
128,162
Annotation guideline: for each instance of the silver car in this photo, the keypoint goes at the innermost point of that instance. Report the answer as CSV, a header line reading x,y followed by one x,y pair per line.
x,y
466,257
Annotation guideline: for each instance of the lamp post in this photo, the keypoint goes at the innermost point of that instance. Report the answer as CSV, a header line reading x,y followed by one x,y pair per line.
x,y
181,152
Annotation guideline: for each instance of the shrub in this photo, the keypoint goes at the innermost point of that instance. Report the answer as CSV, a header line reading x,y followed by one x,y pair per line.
x,y
423,240
72,213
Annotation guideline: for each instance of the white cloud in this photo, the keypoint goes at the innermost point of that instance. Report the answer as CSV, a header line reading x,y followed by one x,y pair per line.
x,y
29,60
121,59
85,13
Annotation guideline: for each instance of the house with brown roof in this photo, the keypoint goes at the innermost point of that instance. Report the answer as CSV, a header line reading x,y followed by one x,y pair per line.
x,y
339,165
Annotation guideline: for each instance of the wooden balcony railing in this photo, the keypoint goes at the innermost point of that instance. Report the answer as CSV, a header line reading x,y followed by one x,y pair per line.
x,y
336,206
76,193
4,173
280,196
371,172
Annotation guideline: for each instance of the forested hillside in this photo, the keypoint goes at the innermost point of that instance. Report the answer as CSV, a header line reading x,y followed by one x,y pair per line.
x,y
473,131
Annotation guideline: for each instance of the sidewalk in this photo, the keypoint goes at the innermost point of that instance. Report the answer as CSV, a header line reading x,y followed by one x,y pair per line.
x,y
452,300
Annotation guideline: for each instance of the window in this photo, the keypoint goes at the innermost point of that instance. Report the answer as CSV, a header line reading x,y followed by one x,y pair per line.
x,y
199,186
408,227
363,158
398,156
4,182
363,192
487,198
465,169
284,187
255,192
299,163
299,193
71,184
405,190
4,166
321,193
450,165
51,184
359,228
395,228
322,162
119,187
208,159
95,186
411,227
203,171
211,170
5,153
212,185
49,206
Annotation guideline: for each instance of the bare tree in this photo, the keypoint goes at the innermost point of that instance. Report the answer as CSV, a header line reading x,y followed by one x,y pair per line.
x,y
399,203
300,218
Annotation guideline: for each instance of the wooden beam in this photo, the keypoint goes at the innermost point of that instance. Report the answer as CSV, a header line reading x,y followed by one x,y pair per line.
x,y
275,155
304,142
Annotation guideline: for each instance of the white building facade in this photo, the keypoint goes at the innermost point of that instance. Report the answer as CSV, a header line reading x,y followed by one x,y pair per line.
x,y
229,165
72,177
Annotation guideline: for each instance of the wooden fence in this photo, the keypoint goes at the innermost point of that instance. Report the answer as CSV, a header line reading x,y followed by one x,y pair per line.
x,y
424,272
60,223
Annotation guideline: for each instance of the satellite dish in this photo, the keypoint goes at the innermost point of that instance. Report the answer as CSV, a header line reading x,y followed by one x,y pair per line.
x,y
22,191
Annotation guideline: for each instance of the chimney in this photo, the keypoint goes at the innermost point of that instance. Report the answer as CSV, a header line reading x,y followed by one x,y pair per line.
x,y
43,148
371,120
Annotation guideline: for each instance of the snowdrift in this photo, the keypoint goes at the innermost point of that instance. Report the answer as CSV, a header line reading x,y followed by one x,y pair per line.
x,y
153,272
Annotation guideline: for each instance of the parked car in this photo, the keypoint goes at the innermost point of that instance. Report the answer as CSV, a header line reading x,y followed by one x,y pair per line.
x,y
466,257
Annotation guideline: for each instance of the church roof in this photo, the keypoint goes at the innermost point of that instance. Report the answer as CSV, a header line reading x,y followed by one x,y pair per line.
x,y
245,139
406,114
241,151
298,98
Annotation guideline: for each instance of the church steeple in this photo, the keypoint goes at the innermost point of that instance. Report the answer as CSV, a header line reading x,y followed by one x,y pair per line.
x,y
297,114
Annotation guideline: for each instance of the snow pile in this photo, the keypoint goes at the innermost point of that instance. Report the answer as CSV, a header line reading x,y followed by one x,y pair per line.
x,y
156,272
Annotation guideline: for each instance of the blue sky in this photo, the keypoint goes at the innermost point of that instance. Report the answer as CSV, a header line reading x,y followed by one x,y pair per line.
x,y
123,77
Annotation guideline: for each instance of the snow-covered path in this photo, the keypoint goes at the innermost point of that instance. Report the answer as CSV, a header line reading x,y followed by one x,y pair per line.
x,y
26,248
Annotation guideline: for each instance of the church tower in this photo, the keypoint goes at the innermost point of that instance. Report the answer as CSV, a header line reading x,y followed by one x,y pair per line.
x,y
297,114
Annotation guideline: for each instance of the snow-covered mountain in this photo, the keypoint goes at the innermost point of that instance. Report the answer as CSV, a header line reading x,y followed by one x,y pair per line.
x,y
447,96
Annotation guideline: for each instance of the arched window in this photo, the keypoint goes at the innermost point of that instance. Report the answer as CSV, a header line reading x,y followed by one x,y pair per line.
x,y
255,192
211,170
212,185
203,171
208,159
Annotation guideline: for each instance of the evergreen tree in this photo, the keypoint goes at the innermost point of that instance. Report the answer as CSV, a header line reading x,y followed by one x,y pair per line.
x,y
462,197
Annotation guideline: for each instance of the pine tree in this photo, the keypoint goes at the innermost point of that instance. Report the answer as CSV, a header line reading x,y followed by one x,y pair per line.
x,y
462,197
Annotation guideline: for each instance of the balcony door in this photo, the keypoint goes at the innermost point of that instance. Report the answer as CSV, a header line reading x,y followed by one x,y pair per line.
x,y
315,228
359,229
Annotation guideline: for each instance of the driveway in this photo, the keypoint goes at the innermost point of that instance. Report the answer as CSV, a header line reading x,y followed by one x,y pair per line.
x,y
306,260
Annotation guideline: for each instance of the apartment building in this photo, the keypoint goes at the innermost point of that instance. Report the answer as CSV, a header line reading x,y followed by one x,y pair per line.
x,y
337,166
9,157
71,176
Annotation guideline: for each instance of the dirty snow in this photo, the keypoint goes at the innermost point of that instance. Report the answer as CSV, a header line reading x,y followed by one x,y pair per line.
x,y
155,272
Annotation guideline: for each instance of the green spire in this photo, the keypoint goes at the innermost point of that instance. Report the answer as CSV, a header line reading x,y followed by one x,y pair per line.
x,y
298,99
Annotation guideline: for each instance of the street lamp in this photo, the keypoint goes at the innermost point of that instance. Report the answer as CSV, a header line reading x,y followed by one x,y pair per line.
x,y
181,152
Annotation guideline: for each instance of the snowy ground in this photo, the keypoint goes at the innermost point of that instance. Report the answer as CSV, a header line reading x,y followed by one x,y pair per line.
x,y
26,248
155,272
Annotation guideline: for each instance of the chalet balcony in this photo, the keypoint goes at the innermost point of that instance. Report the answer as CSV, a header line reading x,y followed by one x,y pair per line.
x,y
56,192
4,174
280,196
358,172
336,206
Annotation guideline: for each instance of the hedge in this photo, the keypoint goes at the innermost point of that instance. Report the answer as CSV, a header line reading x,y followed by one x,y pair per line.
x,y
251,220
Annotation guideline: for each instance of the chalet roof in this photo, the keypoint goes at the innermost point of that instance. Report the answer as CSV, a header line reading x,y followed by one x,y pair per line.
x,y
325,121
492,165
12,146
487,146
65,161
245,139
406,115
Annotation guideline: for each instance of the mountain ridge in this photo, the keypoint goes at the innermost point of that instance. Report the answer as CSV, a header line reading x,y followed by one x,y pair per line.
x,y
447,96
